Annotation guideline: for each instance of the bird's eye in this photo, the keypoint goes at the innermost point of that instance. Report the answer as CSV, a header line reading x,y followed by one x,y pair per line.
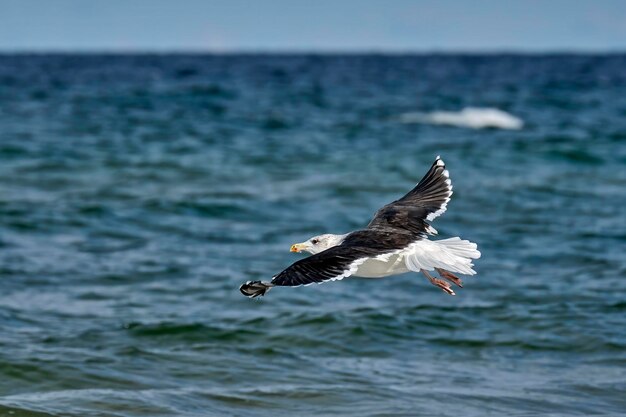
x,y
315,241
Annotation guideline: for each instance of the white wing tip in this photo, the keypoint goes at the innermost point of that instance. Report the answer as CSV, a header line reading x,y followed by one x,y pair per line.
x,y
432,216
439,161
431,230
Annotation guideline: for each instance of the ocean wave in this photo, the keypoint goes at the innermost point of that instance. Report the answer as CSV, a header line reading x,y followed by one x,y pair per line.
x,y
471,117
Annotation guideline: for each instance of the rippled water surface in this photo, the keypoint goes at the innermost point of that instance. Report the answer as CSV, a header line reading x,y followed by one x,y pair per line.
x,y
138,192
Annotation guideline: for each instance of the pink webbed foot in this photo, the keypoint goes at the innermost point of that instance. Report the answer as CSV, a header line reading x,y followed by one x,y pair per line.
x,y
439,283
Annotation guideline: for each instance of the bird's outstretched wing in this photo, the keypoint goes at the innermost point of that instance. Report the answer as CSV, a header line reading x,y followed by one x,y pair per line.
x,y
425,202
332,264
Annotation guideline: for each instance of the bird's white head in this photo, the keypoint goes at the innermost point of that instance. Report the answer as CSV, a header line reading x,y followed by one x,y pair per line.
x,y
318,244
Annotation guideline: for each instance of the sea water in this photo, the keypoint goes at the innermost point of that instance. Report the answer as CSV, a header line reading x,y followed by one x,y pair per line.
x,y
137,192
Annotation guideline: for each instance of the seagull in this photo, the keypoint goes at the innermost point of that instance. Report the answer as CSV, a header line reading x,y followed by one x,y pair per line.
x,y
396,241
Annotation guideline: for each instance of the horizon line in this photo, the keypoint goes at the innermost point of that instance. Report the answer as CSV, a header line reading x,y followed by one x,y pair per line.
x,y
312,51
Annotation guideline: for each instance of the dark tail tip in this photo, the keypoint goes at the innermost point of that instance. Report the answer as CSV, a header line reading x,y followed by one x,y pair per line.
x,y
254,289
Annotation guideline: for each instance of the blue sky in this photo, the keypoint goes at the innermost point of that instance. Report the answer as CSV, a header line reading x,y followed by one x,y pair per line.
x,y
312,25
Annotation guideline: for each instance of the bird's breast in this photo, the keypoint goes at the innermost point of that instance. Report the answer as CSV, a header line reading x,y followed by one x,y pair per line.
x,y
376,268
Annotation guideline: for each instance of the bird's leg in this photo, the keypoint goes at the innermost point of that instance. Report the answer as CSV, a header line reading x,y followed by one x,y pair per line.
x,y
438,282
449,276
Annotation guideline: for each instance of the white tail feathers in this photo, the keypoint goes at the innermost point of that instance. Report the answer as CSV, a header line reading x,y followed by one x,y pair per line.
x,y
453,255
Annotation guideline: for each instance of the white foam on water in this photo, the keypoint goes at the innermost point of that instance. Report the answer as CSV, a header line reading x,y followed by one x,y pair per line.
x,y
471,117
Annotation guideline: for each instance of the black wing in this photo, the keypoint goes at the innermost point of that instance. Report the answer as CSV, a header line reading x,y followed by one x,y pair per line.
x,y
423,203
332,264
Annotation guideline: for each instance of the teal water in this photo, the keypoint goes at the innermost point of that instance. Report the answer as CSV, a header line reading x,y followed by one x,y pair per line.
x,y
138,192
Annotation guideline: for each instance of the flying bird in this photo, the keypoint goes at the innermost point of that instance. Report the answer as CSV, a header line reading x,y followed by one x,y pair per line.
x,y
395,241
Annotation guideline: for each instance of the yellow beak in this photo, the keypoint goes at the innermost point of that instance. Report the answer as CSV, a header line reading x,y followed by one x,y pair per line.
x,y
298,247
